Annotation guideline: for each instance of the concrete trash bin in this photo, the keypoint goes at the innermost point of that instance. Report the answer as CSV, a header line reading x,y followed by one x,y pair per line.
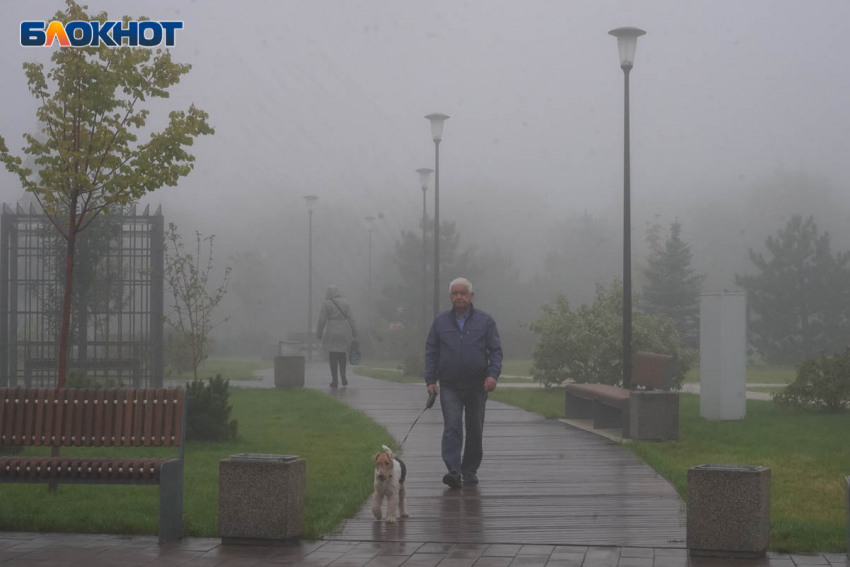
x,y
289,371
728,510
261,498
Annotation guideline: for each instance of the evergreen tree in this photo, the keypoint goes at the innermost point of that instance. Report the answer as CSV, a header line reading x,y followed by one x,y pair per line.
x,y
672,288
799,300
402,297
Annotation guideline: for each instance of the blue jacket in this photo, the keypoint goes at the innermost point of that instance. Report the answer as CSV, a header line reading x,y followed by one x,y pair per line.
x,y
463,358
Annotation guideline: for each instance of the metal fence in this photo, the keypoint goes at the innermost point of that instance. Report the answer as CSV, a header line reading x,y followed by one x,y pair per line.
x,y
117,302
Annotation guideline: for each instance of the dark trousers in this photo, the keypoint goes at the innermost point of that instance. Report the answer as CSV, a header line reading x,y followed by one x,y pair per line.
x,y
337,359
453,402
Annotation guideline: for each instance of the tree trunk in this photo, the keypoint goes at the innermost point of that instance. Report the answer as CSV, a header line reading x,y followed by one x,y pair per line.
x,y
66,303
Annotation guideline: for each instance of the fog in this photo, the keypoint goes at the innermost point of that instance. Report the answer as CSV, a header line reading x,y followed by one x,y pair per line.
x,y
738,121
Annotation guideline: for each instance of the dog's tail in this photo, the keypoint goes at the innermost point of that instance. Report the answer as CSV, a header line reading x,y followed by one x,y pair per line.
x,y
387,449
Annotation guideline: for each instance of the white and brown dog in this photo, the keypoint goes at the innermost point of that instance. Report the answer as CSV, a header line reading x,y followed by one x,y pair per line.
x,y
390,473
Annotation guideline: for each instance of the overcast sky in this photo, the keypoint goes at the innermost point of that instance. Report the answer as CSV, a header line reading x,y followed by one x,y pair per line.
x,y
328,98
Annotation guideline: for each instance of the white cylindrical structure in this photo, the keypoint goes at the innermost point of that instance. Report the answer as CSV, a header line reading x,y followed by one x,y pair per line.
x,y
723,356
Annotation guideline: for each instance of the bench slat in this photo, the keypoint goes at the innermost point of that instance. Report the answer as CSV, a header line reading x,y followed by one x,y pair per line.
x,y
178,418
138,431
80,407
118,426
68,425
18,424
4,408
40,398
90,414
49,413
157,417
150,411
169,417
29,416
96,432
129,411
108,424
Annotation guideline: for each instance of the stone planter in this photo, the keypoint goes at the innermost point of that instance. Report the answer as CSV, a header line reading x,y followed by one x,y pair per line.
x,y
261,498
289,371
728,510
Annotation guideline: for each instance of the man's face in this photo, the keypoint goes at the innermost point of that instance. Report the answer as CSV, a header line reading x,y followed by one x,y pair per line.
x,y
461,298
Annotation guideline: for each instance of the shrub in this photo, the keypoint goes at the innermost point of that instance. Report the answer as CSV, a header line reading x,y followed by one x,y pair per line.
x,y
823,382
414,366
79,379
585,345
209,413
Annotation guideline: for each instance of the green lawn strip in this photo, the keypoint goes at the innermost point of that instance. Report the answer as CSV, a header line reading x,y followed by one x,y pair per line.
x,y
385,373
336,441
388,375
548,402
808,453
232,369
758,373
516,367
765,389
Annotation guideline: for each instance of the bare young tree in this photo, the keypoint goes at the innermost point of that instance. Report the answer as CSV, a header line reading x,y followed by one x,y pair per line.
x,y
186,278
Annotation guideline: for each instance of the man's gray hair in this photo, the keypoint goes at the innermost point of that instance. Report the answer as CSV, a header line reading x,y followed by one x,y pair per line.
x,y
463,281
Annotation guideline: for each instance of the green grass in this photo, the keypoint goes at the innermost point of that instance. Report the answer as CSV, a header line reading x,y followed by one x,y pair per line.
x,y
765,389
397,376
335,440
233,369
757,373
388,375
548,402
808,453
516,367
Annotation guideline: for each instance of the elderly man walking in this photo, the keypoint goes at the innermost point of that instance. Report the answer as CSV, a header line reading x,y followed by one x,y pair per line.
x,y
464,354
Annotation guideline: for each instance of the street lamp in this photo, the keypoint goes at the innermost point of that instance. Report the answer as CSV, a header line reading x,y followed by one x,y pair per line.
x,y
437,133
627,43
311,199
370,220
424,181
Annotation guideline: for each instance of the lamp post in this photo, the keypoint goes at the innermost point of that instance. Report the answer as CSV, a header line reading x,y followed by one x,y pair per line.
x,y
627,43
424,181
370,221
311,199
437,133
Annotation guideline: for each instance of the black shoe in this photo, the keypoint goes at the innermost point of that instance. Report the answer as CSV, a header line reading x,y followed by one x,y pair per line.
x,y
470,478
344,382
333,385
452,479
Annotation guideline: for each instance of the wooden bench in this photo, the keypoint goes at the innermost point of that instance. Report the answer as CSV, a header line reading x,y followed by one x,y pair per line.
x,y
608,406
60,417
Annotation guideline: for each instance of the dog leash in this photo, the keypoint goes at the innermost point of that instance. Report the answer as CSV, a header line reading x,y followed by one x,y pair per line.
x,y
431,397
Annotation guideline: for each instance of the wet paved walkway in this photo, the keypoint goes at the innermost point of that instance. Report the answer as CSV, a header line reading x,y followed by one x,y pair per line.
x,y
40,550
550,496
542,482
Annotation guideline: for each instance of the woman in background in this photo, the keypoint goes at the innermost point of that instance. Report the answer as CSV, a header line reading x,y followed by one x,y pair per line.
x,y
335,314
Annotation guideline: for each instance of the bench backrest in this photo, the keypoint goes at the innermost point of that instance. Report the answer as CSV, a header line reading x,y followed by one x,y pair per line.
x,y
100,418
653,371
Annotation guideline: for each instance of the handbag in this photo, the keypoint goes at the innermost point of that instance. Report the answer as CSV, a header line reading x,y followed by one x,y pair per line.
x,y
354,356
